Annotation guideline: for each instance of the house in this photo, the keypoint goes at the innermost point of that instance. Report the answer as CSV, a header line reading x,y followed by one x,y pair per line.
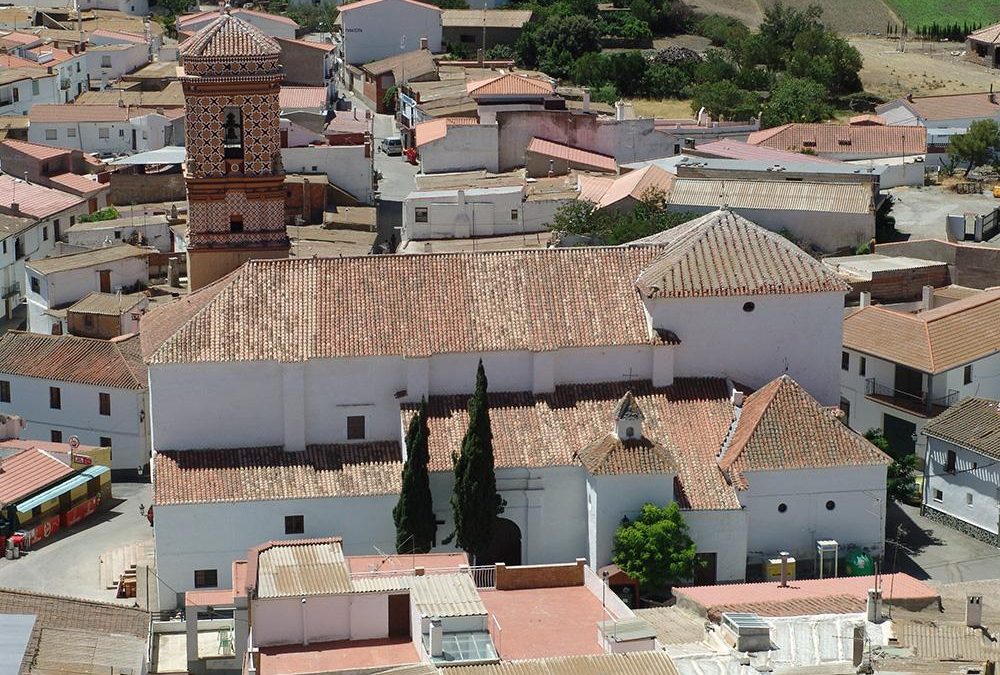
x,y
273,25
623,193
142,229
69,64
960,468
69,171
512,91
889,278
66,386
899,370
376,29
23,85
378,77
981,46
467,28
309,63
545,158
312,100
565,335
107,63
845,141
944,116
104,130
53,284
969,264
106,315
32,219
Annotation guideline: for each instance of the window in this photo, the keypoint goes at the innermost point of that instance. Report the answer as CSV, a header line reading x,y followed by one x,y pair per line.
x,y
513,214
782,507
56,436
967,375
295,524
831,505
938,495
78,66
51,134
968,499
355,427
206,578
105,61
45,233
5,246
862,366
105,442
235,223
104,403
55,398
4,391
845,361
36,287
949,465
118,234
71,133
232,126
420,214
103,133
34,88
749,307
121,133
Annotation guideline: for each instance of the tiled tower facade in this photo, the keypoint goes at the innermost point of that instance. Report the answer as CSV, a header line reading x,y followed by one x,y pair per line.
x,y
234,177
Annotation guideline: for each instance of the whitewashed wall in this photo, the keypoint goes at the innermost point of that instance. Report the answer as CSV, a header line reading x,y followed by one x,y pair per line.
x,y
388,28
346,166
983,484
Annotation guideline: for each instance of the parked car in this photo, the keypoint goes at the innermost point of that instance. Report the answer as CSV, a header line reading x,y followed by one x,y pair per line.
x,y
392,146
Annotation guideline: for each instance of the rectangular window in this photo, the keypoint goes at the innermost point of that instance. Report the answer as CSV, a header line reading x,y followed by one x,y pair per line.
x,y
967,375
45,233
4,391
235,223
34,88
845,361
513,214
104,403
71,132
295,524
355,427
51,134
56,436
938,495
105,61
105,442
968,499
420,214
55,398
949,465
862,366
206,578
121,133
36,287
103,132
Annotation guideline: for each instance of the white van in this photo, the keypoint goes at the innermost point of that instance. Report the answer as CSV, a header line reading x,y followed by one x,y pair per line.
x,y
392,146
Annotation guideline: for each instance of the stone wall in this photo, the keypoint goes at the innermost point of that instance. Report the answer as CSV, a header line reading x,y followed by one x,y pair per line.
x,y
960,525
146,188
539,576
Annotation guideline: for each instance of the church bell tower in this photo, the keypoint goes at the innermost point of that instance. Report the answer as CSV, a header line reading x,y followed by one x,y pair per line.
x,y
233,172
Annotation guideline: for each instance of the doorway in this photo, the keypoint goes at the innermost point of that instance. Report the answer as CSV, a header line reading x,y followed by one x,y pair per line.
x,y
506,544
399,615
900,434
705,573
105,280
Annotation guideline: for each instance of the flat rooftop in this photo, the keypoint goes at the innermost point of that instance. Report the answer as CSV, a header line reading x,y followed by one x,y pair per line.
x,y
544,622
480,244
344,655
863,266
360,564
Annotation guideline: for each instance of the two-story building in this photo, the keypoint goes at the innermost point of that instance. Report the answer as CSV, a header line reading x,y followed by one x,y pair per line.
x,y
53,284
901,369
70,171
105,130
376,29
65,386
23,85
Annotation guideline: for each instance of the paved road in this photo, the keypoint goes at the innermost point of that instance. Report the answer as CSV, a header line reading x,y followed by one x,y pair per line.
x,y
68,564
939,553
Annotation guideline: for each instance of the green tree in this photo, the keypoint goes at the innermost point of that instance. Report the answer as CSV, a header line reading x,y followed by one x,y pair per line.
x,y
414,512
820,55
592,69
628,70
724,99
795,100
556,43
610,227
781,26
901,484
721,30
664,81
475,503
977,146
656,549
389,100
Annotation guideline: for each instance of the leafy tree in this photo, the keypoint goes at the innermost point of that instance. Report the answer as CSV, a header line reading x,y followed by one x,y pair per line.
x,y
557,42
610,227
475,503
724,99
977,146
664,81
781,26
827,58
414,513
605,94
314,18
389,100
656,549
721,30
795,100
901,475
592,69
628,70
717,65
501,52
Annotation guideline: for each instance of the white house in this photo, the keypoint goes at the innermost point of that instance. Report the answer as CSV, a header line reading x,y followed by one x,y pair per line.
x,y
275,25
318,404
104,130
141,229
68,64
66,386
900,369
32,218
23,87
107,63
944,116
375,29
133,7
52,284
961,476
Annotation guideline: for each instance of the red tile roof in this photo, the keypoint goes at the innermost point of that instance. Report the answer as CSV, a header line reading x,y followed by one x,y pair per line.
x,y
576,156
67,358
509,85
188,19
783,427
12,61
228,35
134,38
724,254
250,474
27,472
368,3
324,46
867,118
606,192
81,185
948,106
728,148
433,130
58,55
68,112
413,305
933,341
16,38
870,140
302,97
34,200
35,150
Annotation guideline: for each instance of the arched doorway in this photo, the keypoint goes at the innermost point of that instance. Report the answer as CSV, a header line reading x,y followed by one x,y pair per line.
x,y
506,545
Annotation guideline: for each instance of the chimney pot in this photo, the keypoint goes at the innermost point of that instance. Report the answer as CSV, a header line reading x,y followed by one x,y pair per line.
x,y
866,298
423,43
926,297
15,207
586,100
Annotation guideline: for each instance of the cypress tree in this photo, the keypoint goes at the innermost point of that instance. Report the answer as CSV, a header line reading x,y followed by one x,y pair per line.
x,y
414,513
475,503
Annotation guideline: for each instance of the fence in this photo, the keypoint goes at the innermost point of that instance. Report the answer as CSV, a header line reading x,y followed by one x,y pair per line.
x,y
484,576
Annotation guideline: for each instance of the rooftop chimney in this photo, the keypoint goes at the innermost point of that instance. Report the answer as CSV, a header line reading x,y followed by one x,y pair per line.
x,y
874,605
586,100
974,611
436,638
423,43
15,207
784,567
926,297
866,298
619,110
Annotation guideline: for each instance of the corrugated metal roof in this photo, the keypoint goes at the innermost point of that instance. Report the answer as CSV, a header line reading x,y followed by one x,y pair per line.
x,y
66,112
441,595
974,423
773,195
108,304
637,663
308,569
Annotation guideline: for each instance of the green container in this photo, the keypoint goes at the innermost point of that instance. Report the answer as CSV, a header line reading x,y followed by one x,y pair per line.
x,y
857,563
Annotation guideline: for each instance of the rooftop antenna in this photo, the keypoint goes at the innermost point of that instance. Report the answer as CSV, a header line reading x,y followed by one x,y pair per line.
x,y
79,22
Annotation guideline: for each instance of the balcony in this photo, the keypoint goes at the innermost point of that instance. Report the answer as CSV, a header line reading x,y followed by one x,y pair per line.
x,y
12,290
64,84
908,401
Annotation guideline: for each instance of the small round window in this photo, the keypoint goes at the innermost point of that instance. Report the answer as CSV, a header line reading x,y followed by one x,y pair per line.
x,y
831,505
748,306
630,432
782,507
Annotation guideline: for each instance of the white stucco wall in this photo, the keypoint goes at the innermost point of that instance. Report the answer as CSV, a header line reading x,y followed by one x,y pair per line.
x,y
346,166
324,618
464,148
968,483
37,241
723,533
105,64
798,334
388,28
610,498
48,92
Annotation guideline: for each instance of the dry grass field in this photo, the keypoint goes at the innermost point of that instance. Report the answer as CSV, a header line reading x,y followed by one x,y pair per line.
x,y
665,109
747,11
849,16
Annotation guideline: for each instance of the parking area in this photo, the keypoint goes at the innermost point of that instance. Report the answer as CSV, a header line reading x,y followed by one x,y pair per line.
x,y
921,212
936,552
68,563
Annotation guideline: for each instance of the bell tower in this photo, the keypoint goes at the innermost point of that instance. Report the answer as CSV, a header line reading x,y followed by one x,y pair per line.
x,y
235,181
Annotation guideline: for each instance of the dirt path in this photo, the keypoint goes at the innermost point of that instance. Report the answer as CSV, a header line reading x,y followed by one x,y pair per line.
x,y
926,68
746,11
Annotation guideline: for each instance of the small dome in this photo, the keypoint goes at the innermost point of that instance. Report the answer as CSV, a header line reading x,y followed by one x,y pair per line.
x,y
229,36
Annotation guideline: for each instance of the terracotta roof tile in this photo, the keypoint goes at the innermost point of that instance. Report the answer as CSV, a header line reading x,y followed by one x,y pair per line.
x,y
76,184
16,38
724,254
433,130
35,150
250,474
510,85
949,106
406,66
988,34
238,12
102,363
411,305
302,97
974,423
933,341
228,35
729,148
578,156
119,35
782,427
634,184
12,61
870,140
323,46
36,201
27,472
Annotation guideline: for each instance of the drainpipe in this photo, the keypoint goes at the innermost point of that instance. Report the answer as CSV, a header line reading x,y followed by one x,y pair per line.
x,y
305,628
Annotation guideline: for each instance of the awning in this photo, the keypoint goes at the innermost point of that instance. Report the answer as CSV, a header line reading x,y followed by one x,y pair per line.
x,y
169,154
62,488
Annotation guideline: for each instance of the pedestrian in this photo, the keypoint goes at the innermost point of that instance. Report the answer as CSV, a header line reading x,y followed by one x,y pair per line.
x,y
142,509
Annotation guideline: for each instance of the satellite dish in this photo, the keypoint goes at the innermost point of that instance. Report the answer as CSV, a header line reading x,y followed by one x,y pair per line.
x,y
74,442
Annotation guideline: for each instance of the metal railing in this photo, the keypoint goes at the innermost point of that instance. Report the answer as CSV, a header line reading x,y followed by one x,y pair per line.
x,y
484,576
12,290
875,388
